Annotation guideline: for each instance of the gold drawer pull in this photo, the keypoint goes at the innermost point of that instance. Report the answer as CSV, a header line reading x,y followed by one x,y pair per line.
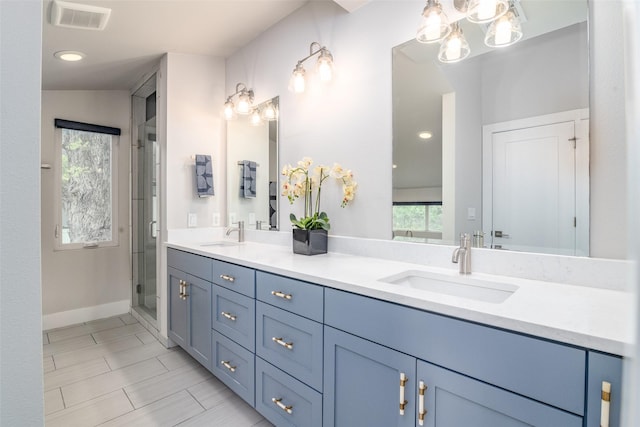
x,y
422,388
605,404
280,341
229,316
285,408
403,402
228,366
281,294
227,278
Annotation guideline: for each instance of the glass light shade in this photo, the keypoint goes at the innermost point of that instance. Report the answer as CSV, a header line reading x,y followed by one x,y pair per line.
x,y
297,82
324,66
244,103
504,31
481,11
269,112
434,25
256,120
454,47
229,110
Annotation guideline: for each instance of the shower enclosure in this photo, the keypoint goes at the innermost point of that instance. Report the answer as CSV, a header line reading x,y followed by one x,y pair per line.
x,y
144,178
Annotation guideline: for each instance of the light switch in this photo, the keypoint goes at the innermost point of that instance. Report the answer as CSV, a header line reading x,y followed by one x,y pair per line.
x,y
192,220
252,218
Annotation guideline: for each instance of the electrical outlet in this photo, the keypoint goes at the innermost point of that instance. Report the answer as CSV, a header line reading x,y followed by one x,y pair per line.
x,y
232,218
216,219
192,220
471,214
252,218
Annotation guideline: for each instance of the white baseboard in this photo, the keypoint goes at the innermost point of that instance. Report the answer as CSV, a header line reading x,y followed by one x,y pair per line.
x,y
85,314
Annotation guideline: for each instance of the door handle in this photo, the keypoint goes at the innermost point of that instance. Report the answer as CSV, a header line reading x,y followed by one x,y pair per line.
x,y
151,223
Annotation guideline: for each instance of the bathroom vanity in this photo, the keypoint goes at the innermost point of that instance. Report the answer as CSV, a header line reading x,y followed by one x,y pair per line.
x,y
334,341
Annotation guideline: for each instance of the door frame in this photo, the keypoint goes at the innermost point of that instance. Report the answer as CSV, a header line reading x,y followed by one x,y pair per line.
x,y
581,119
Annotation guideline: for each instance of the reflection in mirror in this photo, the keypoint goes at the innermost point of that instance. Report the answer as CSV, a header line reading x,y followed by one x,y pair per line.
x,y
252,167
438,177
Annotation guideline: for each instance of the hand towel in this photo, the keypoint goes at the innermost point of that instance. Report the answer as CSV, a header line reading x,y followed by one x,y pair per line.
x,y
248,179
204,175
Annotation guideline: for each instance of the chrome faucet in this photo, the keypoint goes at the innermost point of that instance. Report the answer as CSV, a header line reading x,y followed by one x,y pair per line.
x,y
462,255
239,229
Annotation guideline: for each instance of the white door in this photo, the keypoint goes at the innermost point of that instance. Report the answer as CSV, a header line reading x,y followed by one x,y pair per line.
x,y
533,189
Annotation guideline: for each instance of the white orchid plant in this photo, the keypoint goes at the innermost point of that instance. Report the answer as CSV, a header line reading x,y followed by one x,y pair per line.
x,y
302,181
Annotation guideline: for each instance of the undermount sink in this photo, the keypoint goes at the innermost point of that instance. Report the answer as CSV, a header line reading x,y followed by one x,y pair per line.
x,y
219,243
470,287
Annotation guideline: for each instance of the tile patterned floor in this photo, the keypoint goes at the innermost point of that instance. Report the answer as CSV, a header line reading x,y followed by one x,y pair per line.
x,y
113,372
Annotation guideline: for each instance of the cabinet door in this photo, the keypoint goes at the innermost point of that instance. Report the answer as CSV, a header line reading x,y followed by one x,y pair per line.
x,y
199,318
177,307
454,400
362,383
603,367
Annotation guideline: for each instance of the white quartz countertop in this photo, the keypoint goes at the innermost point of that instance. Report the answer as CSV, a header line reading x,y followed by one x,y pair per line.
x,y
588,317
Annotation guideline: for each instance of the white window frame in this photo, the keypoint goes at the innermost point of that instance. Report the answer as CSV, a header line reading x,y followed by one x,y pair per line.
x,y
58,244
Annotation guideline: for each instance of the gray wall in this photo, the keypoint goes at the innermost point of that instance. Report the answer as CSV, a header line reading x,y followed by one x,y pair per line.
x,y
21,401
73,280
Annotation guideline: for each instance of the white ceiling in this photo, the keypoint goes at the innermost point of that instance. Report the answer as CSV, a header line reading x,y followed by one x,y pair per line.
x,y
139,32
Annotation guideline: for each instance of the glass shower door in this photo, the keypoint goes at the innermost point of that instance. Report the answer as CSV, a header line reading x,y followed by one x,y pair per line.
x,y
147,218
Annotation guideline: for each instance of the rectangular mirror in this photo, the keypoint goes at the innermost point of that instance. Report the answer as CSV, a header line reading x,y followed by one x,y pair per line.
x,y
252,168
444,114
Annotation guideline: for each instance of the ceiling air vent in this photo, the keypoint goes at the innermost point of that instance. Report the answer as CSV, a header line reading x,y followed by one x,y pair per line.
x,y
80,16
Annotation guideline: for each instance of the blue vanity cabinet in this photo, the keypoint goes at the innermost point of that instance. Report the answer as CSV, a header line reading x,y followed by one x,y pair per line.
x,y
475,375
176,280
362,383
451,399
289,350
603,368
190,304
232,328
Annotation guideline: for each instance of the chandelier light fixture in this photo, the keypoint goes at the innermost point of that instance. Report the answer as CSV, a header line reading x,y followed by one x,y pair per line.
x,y
324,68
502,17
244,102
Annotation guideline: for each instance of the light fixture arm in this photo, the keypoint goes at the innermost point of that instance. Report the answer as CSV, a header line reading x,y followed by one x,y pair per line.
x,y
241,89
319,49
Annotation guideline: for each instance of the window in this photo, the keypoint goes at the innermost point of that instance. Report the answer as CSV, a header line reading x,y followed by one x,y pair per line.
x,y
425,217
87,185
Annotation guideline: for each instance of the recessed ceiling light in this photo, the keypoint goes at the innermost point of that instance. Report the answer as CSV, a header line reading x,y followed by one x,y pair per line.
x,y
69,55
425,134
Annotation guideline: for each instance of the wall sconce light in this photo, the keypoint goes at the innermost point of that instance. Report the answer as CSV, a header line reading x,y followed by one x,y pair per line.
x,y
245,99
434,26
504,28
324,68
270,111
454,47
481,11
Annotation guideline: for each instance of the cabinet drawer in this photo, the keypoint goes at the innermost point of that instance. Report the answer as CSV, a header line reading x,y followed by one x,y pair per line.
x,y
290,342
196,265
235,277
234,365
234,315
545,371
285,401
292,295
